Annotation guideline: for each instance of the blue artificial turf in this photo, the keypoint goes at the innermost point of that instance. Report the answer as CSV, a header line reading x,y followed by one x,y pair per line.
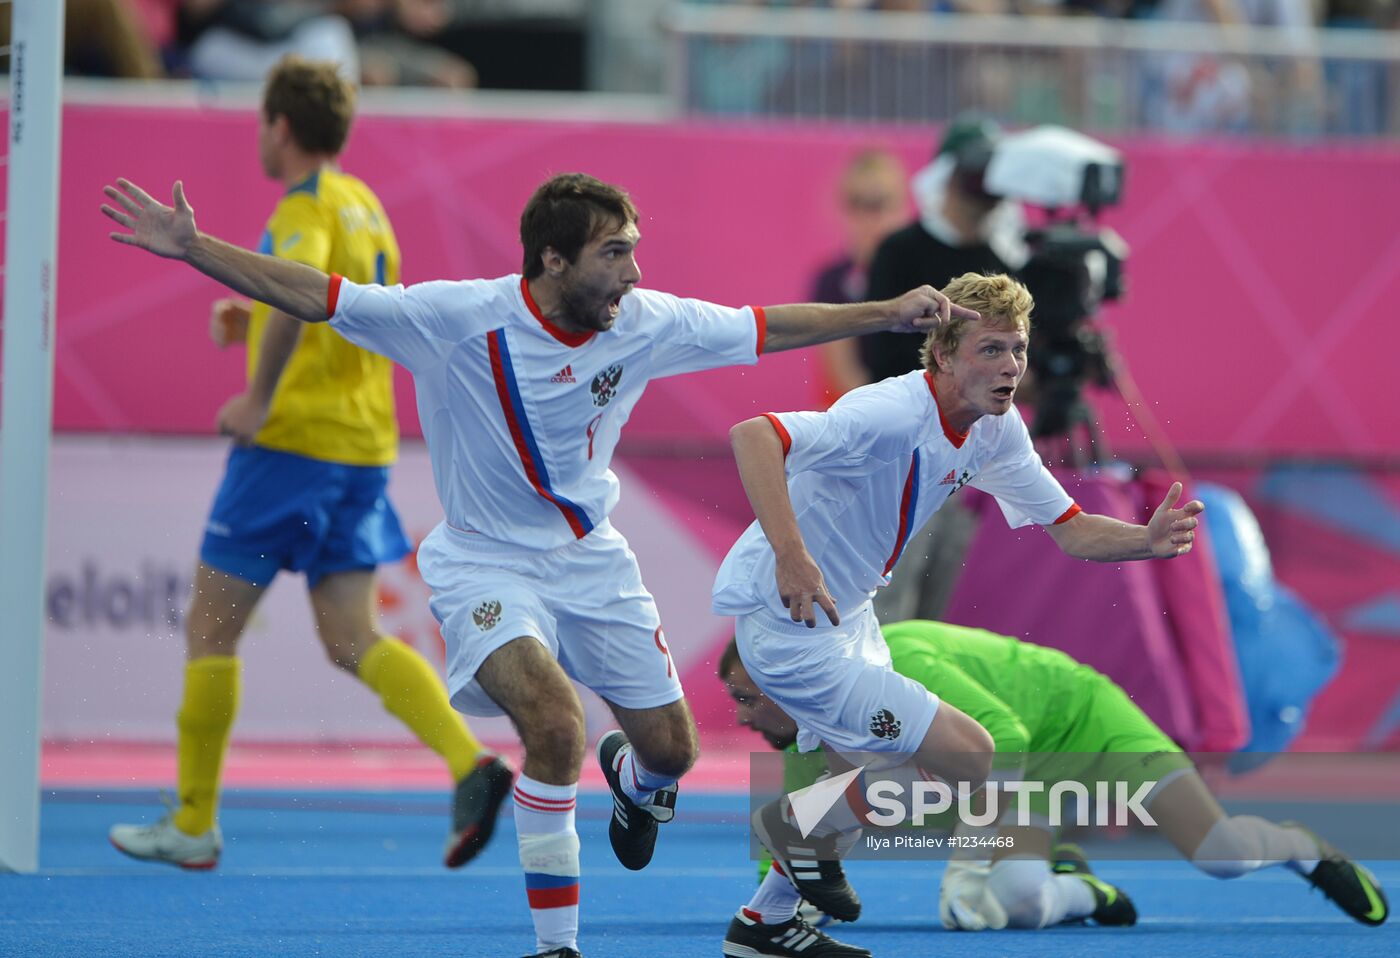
x,y
345,874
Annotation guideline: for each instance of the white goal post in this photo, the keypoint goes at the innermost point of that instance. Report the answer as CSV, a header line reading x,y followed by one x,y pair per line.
x,y
26,410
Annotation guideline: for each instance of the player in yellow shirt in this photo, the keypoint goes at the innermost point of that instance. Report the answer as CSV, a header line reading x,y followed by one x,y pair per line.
x,y
304,490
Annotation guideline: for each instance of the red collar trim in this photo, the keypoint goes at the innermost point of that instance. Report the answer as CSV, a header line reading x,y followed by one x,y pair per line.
x,y
572,340
955,437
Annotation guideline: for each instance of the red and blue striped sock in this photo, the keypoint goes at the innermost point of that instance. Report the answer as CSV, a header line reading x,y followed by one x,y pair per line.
x,y
544,825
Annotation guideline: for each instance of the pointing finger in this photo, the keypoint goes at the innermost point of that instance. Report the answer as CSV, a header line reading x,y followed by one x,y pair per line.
x,y
944,307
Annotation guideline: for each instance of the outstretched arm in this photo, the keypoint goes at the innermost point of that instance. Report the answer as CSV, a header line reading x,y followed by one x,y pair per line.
x,y
299,291
917,311
1169,533
759,453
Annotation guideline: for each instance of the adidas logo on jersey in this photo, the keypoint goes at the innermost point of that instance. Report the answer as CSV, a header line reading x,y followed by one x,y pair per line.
x,y
951,479
565,375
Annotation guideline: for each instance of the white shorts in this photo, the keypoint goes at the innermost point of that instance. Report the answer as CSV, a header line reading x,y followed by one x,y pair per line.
x,y
837,683
583,601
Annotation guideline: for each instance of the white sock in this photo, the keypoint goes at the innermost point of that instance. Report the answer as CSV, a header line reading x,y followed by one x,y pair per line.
x,y
639,783
776,899
1241,844
1076,898
544,824
1034,897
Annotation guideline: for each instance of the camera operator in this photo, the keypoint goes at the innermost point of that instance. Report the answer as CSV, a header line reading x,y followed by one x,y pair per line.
x,y
959,229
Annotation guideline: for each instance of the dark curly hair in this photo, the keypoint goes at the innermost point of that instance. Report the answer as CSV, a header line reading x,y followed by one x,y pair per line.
x,y
565,213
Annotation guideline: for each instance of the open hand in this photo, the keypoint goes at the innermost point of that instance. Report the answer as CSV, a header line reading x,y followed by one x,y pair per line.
x,y
924,309
1171,531
163,230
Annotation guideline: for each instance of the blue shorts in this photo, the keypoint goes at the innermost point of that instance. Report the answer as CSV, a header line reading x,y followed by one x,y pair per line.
x,y
277,510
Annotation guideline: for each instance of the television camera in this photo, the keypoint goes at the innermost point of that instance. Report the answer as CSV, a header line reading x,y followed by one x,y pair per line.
x,y
1074,266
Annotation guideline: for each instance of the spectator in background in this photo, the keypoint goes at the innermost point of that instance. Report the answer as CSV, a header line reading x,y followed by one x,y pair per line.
x,y
1210,92
1356,89
872,202
157,23
378,42
865,80
1391,21
397,45
104,38
244,39
733,74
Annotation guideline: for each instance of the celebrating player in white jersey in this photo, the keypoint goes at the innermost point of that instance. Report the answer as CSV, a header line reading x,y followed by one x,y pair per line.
x,y
836,495
524,383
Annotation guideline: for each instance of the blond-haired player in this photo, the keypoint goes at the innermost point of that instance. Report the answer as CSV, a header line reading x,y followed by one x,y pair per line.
x,y
836,495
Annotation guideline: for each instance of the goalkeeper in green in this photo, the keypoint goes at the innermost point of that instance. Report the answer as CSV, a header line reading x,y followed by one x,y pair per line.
x,y
1039,703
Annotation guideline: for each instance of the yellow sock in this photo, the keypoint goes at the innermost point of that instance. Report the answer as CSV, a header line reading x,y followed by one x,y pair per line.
x,y
412,692
204,721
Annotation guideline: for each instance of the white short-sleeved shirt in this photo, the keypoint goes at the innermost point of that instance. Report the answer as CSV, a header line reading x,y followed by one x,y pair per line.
x,y
866,474
521,418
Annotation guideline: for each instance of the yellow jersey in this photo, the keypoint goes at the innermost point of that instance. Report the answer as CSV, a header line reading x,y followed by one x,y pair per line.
x,y
334,400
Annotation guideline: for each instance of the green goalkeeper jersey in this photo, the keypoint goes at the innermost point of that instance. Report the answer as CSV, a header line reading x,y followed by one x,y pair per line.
x,y
1038,704
1028,697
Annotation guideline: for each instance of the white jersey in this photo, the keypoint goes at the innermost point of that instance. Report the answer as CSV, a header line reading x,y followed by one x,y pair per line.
x,y
521,418
868,473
